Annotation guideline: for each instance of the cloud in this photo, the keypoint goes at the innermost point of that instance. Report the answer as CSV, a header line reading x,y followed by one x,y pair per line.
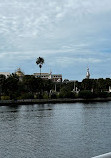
x,y
68,61
66,31
32,18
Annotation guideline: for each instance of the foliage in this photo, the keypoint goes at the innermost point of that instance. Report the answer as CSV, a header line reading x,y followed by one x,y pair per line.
x,y
53,96
2,83
85,94
88,94
48,85
97,85
30,83
5,98
40,62
66,93
32,87
45,95
26,96
103,94
11,86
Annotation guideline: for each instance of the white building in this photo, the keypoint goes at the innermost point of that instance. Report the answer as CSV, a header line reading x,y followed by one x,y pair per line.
x,y
6,74
43,75
53,77
57,77
87,74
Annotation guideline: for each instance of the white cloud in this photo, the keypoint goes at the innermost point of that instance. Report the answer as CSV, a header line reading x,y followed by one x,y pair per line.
x,y
68,61
35,17
62,31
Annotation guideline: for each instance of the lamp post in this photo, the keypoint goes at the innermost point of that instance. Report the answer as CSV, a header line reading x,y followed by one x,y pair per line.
x,y
74,81
55,87
74,86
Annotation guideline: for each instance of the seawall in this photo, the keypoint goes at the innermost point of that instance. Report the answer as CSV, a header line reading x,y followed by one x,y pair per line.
x,y
53,101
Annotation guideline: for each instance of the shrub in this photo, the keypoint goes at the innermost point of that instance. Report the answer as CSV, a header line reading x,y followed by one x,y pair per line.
x,y
27,96
65,92
45,96
85,94
5,98
53,96
103,94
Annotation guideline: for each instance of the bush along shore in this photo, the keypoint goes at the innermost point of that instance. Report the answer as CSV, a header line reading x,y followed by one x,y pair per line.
x,y
30,89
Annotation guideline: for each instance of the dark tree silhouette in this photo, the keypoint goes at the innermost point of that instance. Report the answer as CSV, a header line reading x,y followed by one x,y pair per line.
x,y
40,62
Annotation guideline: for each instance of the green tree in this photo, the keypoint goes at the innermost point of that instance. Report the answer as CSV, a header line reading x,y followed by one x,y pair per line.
x,y
2,83
87,84
65,92
11,86
40,62
86,94
30,83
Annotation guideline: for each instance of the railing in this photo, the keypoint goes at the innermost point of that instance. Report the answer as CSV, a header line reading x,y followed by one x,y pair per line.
x,y
107,155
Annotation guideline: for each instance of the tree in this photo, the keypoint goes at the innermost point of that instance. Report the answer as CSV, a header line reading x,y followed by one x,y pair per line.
x,y
32,84
65,92
40,62
2,83
11,86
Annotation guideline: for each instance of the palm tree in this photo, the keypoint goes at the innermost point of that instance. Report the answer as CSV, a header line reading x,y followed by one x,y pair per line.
x,y
40,62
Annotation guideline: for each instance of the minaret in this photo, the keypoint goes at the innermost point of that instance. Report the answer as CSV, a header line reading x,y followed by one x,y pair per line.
x,y
87,74
50,74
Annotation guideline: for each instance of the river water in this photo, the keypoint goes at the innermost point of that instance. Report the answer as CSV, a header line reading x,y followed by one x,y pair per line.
x,y
75,130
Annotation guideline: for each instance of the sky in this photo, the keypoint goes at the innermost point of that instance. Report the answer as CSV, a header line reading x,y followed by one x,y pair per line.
x,y
70,35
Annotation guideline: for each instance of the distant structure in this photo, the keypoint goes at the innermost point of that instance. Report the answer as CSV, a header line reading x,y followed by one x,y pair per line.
x,y
20,74
56,77
46,76
43,75
109,89
87,74
6,74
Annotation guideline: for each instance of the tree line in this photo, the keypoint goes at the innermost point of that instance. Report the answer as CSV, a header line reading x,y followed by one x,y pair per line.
x,y
31,87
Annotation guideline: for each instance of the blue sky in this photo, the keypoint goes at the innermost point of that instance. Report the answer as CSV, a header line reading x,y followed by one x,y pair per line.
x,y
69,34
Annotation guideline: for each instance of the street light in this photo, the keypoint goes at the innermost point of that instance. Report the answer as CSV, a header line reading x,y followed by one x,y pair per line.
x,y
74,81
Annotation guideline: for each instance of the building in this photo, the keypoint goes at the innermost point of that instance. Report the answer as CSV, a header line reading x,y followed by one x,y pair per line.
x,y
43,75
56,77
20,74
46,76
87,74
6,74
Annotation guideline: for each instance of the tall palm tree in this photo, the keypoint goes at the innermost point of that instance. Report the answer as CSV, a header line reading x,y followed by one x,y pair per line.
x,y
40,62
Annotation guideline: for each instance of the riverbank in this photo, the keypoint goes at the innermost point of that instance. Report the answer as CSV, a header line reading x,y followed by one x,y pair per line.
x,y
48,101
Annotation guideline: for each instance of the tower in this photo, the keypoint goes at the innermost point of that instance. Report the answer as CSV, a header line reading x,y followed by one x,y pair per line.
x,y
20,74
87,74
50,74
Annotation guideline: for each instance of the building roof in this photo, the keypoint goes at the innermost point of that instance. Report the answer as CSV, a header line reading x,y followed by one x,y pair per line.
x,y
19,72
5,73
56,74
41,74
